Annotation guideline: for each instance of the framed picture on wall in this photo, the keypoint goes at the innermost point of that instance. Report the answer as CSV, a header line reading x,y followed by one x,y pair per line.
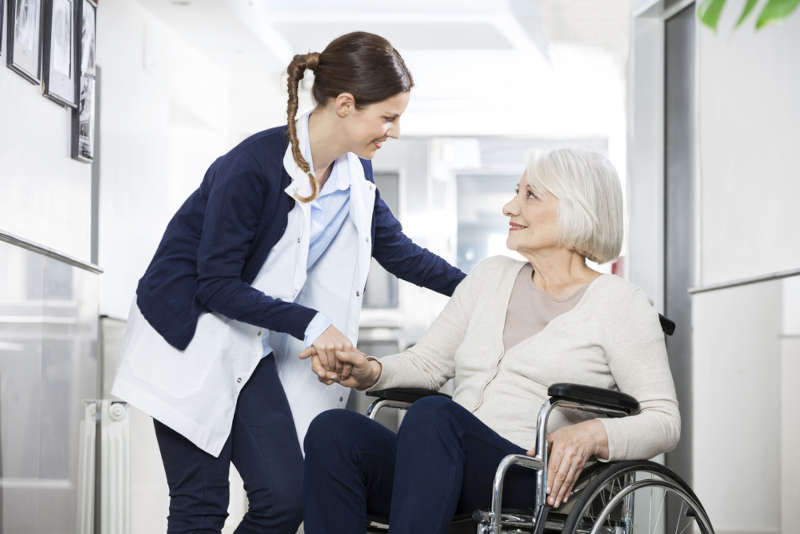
x,y
59,55
2,14
24,38
83,123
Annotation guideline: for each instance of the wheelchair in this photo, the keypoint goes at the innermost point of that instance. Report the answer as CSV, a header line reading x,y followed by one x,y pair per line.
x,y
623,497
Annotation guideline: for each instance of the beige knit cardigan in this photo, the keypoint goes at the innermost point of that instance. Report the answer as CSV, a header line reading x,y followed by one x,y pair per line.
x,y
610,339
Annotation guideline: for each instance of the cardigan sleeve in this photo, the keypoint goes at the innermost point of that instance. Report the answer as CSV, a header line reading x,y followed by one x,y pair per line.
x,y
637,358
431,362
234,208
407,260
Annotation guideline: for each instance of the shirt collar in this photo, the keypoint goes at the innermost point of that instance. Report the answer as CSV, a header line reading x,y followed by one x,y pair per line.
x,y
339,179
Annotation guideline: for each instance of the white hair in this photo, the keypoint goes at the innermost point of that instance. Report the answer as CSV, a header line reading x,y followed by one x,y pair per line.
x,y
589,200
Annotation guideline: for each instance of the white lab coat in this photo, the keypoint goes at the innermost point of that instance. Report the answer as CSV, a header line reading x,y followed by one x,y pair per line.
x,y
194,391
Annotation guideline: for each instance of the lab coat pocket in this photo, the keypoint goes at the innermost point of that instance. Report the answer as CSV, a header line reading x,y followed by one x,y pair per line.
x,y
178,373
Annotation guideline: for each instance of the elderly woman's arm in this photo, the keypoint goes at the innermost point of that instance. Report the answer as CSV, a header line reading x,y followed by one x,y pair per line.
x,y
431,362
637,357
428,364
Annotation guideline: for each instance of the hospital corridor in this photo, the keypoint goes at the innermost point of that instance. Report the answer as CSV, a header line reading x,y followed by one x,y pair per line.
x,y
443,266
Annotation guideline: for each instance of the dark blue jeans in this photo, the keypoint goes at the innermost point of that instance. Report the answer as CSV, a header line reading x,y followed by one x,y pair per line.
x,y
262,445
441,462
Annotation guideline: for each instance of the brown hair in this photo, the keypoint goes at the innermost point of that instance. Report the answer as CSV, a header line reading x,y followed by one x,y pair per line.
x,y
360,63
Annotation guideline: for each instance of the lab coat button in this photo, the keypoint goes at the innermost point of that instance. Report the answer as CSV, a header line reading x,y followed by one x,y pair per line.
x,y
239,380
259,333
341,399
358,293
298,240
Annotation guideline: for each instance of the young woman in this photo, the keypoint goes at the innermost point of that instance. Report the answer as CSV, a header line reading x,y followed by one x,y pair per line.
x,y
267,258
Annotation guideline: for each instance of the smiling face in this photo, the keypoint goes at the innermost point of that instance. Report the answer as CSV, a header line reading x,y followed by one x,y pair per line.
x,y
370,126
533,219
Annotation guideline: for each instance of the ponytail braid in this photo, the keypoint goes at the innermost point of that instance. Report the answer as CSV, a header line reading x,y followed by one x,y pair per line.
x,y
296,71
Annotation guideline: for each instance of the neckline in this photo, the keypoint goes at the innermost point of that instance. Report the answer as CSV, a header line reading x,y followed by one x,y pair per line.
x,y
547,295
510,290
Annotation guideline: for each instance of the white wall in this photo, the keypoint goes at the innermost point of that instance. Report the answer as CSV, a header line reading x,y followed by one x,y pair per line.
x,y
748,129
166,115
747,406
737,400
45,196
790,404
165,110
745,346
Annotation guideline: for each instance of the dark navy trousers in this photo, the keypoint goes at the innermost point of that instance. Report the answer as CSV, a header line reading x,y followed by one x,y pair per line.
x,y
441,463
262,445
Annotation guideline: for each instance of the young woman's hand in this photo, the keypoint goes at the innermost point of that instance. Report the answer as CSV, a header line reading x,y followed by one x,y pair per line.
x,y
326,344
570,448
362,372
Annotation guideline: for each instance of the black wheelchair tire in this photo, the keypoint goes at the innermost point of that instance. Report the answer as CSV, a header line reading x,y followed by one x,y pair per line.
x,y
613,469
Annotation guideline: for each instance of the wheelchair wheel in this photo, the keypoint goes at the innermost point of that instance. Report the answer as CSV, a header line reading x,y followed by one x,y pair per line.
x,y
634,497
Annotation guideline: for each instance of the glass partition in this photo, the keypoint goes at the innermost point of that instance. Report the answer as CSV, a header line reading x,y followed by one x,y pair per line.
x,y
48,367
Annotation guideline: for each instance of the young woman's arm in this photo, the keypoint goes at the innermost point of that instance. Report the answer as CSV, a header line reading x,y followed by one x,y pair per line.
x,y
234,209
407,260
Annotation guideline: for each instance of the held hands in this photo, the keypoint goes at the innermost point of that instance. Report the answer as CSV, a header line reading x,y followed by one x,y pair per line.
x,y
357,370
570,447
326,345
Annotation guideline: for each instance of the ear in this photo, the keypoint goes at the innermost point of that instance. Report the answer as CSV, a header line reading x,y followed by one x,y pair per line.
x,y
344,104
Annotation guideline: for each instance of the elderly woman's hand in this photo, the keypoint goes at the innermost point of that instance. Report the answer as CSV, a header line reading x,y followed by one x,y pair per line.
x,y
570,448
359,372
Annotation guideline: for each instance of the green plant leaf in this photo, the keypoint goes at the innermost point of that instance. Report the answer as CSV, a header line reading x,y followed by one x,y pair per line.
x,y
748,8
708,11
775,10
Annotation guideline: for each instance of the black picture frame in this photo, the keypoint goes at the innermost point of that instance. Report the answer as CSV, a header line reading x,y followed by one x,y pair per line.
x,y
83,121
59,52
2,23
24,39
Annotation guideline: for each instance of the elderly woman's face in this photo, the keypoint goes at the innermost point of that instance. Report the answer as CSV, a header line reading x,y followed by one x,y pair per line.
x,y
533,219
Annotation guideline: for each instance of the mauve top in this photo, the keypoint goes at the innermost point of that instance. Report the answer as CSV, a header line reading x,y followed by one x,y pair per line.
x,y
530,308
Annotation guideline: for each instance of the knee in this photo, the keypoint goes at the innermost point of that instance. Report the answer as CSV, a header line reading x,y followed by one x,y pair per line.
x,y
327,432
281,510
429,412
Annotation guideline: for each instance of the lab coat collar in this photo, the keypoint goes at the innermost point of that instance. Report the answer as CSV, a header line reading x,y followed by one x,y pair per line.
x,y
349,172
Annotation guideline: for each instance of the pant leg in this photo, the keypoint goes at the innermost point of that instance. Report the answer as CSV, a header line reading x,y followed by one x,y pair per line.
x,y
348,472
198,483
445,463
267,454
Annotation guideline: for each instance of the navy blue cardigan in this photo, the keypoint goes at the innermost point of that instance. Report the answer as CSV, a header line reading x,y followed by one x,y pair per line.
x,y
216,243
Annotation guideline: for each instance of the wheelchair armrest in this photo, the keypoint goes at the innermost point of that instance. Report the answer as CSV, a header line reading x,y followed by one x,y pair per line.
x,y
604,398
404,394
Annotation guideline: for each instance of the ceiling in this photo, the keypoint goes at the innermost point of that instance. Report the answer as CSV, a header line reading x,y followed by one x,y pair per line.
x,y
495,67
267,33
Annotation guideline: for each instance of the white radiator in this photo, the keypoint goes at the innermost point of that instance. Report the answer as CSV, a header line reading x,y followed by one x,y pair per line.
x,y
114,494
115,477
86,462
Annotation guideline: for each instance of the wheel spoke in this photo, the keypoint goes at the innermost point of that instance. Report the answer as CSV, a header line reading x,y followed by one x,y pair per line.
x,y
680,515
689,524
660,512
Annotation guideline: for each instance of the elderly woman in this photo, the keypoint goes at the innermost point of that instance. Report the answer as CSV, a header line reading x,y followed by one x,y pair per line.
x,y
510,330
